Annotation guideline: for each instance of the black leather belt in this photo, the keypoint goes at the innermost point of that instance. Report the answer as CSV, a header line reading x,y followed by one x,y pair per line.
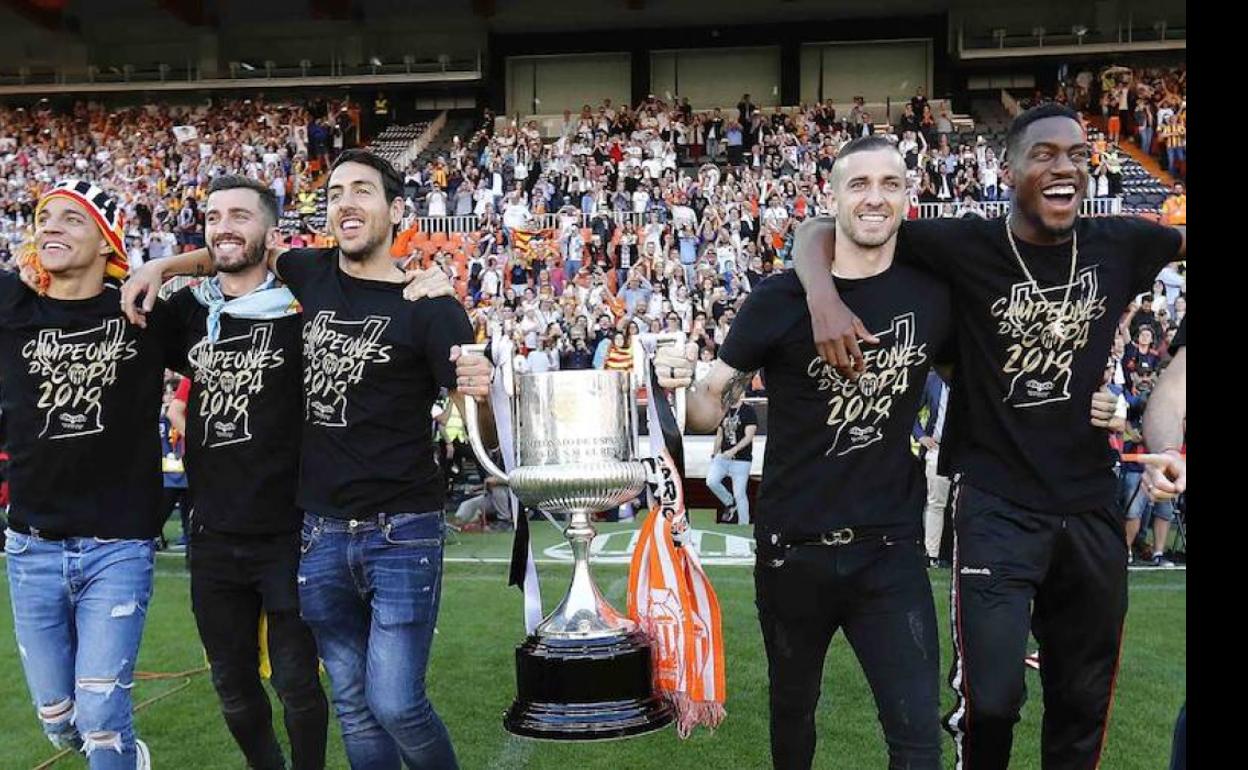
x,y
849,536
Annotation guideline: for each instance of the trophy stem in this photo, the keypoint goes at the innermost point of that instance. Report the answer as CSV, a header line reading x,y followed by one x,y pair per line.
x,y
583,613
580,533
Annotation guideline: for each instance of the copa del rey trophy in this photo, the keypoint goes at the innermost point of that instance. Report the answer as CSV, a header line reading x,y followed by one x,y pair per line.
x,y
586,674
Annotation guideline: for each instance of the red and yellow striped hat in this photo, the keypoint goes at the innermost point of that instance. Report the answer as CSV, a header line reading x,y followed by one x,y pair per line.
x,y
104,210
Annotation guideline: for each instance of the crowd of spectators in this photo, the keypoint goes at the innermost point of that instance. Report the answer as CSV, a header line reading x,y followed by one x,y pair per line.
x,y
1147,105
630,219
654,217
158,160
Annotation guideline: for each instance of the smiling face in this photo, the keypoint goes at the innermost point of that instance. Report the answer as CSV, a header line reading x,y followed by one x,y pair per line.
x,y
359,217
236,229
67,238
1048,172
870,195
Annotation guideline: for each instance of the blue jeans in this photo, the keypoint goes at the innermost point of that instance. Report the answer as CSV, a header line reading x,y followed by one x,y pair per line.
x,y
1175,154
79,606
739,470
1135,503
1178,751
370,593
571,268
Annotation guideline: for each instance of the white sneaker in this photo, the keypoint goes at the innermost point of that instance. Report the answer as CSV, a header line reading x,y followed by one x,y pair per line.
x,y
142,756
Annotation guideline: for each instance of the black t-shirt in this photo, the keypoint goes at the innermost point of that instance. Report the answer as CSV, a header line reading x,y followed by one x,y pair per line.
x,y
1018,422
80,390
1180,338
733,426
838,451
373,366
917,105
243,420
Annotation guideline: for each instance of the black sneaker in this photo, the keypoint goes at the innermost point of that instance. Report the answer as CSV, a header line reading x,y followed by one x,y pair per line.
x,y
1160,560
730,515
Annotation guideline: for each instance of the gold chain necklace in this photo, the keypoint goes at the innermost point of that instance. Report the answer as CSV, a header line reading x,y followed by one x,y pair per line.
x,y
1058,328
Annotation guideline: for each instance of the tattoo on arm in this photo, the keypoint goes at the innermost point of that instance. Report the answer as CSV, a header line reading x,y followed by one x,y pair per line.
x,y
737,386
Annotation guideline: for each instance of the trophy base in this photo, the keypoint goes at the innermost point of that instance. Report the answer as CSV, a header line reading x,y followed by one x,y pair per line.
x,y
585,690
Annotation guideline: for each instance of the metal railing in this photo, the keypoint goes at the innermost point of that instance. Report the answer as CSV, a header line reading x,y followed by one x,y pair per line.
x,y
1092,207
191,71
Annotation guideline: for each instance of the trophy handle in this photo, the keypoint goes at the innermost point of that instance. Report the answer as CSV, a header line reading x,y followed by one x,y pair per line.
x,y
472,423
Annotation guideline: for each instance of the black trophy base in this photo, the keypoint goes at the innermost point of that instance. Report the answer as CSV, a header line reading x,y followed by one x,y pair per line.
x,y
590,690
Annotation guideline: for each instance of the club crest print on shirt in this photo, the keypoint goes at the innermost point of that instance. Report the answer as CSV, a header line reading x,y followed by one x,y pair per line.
x,y
336,355
230,373
74,369
1046,330
860,408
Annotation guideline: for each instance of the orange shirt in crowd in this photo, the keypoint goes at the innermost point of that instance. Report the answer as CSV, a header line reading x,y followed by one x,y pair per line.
x,y
1174,210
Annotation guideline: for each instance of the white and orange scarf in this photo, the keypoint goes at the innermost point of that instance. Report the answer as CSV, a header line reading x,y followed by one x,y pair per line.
x,y
669,594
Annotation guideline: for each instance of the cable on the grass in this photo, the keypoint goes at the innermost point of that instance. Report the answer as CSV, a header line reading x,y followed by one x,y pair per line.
x,y
143,676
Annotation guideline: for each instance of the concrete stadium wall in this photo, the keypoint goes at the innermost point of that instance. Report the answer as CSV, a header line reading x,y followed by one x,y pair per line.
x,y
566,82
875,70
717,77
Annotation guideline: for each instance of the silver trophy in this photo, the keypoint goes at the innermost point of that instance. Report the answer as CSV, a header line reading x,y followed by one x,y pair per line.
x,y
586,673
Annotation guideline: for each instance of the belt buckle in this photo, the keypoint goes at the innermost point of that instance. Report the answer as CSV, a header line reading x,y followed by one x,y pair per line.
x,y
352,524
838,537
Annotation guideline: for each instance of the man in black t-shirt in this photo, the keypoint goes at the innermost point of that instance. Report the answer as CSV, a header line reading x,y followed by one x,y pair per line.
x,y
838,525
80,390
374,363
1038,545
732,455
242,459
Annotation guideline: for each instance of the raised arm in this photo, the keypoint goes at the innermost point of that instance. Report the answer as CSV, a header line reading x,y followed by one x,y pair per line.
x,y
139,292
1165,474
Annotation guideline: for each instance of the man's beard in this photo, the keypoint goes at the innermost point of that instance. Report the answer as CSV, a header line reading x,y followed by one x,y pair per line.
x,y
253,254
364,251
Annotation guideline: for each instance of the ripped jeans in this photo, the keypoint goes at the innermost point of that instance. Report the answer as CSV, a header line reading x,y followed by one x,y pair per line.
x,y
79,606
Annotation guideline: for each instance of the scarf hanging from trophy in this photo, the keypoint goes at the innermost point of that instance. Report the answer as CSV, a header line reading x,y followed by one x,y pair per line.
x,y
523,572
669,594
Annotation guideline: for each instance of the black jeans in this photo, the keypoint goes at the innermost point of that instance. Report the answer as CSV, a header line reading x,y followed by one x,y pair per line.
x,y
1061,578
180,498
233,579
880,594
